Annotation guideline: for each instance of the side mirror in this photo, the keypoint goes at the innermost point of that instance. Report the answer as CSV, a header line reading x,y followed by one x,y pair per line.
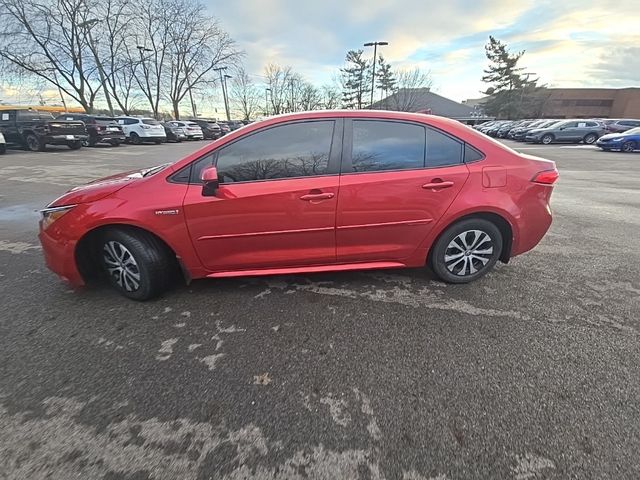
x,y
210,181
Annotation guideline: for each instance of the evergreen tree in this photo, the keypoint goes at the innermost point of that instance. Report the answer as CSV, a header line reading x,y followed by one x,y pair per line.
x,y
385,78
504,77
356,78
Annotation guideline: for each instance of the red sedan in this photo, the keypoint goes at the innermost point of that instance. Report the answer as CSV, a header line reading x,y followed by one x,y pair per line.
x,y
308,192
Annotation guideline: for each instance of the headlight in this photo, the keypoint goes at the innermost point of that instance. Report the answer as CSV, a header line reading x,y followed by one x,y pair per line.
x,y
51,214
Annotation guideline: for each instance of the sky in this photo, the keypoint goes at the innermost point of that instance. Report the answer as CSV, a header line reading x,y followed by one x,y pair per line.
x,y
568,43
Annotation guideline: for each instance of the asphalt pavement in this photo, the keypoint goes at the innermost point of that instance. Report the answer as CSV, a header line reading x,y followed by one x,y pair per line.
x,y
533,372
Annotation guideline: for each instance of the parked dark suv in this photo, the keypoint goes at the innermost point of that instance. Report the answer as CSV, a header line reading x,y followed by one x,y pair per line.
x,y
35,130
210,129
100,129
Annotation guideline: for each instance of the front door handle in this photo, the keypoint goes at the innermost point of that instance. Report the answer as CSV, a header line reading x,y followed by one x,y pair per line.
x,y
437,185
311,197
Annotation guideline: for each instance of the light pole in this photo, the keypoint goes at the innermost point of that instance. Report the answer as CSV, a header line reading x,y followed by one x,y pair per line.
x,y
186,74
224,90
88,24
266,101
373,74
226,97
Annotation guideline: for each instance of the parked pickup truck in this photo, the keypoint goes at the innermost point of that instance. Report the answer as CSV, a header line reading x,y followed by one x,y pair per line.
x,y
35,130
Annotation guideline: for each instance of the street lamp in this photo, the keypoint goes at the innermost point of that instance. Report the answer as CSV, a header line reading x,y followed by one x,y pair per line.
x,y
87,25
266,101
373,75
226,97
224,90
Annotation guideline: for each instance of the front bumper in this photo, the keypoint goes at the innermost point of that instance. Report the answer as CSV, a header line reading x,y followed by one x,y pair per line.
x,y
59,256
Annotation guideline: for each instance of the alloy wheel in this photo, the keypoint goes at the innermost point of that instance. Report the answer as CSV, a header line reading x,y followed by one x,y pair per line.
x,y
121,266
468,253
628,147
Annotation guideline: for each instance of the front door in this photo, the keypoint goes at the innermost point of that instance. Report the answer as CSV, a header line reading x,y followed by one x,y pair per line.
x,y
276,203
398,180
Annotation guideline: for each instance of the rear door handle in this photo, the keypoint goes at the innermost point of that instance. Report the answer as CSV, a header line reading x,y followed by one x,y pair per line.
x,y
310,197
437,185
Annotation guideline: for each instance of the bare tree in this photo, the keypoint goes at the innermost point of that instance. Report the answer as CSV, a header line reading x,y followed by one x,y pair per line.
x,y
279,81
244,94
49,40
310,97
197,46
331,96
410,87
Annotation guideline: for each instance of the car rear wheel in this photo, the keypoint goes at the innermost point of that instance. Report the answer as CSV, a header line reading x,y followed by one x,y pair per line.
x,y
137,265
466,251
75,145
628,147
590,138
157,142
3,149
115,143
34,143
547,139
135,139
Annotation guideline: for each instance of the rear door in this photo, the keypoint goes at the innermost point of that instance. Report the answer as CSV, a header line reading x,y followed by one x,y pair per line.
x,y
276,204
398,178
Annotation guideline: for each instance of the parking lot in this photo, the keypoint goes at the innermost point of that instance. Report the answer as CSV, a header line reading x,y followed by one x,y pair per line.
x,y
531,372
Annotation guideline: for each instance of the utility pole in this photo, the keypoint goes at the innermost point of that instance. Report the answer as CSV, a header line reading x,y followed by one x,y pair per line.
x,y
375,59
224,90
88,24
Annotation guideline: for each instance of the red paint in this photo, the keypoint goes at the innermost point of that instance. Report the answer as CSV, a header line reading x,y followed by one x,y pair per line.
x,y
333,222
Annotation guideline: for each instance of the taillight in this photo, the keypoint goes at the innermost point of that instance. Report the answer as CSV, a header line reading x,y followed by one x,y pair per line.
x,y
546,177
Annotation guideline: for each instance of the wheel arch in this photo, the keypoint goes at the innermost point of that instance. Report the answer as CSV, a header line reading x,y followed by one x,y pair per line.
x,y
500,221
86,249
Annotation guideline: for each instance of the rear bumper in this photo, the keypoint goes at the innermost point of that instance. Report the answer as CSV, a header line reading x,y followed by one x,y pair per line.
x,y
110,137
64,139
59,256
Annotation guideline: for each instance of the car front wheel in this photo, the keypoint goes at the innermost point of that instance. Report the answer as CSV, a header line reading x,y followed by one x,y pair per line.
x,y
466,251
137,264
628,147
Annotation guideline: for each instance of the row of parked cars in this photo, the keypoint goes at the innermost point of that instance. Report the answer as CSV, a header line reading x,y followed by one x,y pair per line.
x,y
34,130
608,134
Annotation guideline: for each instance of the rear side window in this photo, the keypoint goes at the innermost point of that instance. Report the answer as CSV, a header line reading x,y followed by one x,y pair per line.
x,y
471,154
442,149
382,145
285,151
27,116
630,123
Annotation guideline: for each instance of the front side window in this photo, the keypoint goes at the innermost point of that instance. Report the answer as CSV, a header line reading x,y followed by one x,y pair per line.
x,y
384,145
286,151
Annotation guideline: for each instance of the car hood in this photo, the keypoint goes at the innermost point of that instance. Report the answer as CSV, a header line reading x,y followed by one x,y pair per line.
x,y
101,188
610,136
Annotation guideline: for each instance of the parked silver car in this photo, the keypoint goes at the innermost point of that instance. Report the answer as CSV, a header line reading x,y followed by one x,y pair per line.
x,y
570,131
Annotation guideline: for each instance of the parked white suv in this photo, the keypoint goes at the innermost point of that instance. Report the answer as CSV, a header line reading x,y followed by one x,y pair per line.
x,y
192,129
138,130
3,144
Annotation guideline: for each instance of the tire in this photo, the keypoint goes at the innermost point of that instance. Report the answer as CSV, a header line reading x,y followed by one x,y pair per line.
x,y
137,264
157,142
547,139
628,147
590,138
91,142
115,143
34,144
75,145
135,139
458,264
3,149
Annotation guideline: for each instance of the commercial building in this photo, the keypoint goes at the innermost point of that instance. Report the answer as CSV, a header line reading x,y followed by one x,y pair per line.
x,y
585,103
